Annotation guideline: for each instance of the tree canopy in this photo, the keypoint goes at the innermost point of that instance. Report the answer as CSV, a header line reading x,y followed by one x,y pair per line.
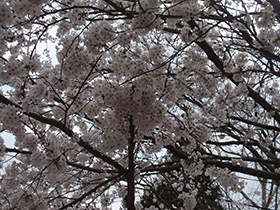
x,y
162,104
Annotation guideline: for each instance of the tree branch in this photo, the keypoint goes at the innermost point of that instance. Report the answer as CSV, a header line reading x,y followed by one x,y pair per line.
x,y
105,158
230,166
130,198
244,170
268,127
18,151
219,64
87,168
119,8
89,192
69,133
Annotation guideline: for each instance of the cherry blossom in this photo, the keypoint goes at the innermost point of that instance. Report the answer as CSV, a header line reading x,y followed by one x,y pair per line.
x,y
152,104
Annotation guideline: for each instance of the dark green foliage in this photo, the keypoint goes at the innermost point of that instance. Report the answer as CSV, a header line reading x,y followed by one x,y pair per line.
x,y
208,194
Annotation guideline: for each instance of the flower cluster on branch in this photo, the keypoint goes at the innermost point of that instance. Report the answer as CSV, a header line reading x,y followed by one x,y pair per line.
x,y
174,102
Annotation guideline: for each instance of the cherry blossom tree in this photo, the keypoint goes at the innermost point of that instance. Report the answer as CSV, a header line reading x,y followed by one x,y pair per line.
x,y
140,95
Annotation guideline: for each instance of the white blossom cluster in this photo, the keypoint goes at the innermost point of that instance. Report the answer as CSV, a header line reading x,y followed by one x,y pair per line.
x,y
155,54
189,200
187,34
166,79
266,18
34,97
125,104
149,4
11,70
224,178
144,20
193,167
24,7
10,118
5,13
188,9
125,38
201,133
98,36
